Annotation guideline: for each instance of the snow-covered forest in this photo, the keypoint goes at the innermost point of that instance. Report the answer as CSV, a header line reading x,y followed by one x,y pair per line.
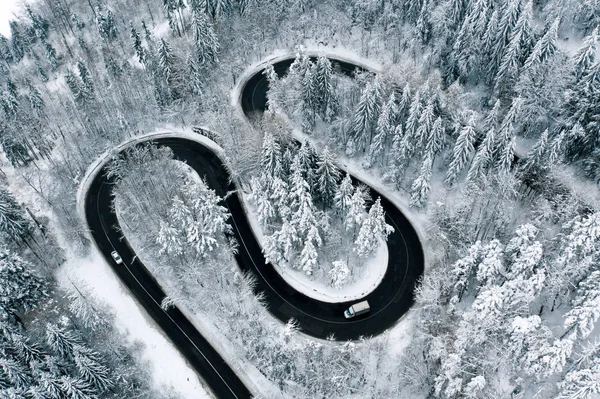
x,y
478,117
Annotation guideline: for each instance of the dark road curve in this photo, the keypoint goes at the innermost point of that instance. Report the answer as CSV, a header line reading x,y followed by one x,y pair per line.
x,y
389,301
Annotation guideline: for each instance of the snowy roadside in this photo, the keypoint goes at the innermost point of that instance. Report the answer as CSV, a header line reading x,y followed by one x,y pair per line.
x,y
170,371
168,368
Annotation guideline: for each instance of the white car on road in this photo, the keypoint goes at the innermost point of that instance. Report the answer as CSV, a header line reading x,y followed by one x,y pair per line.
x,y
115,255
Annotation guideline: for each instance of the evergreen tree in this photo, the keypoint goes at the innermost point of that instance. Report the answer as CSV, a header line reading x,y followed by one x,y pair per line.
x,y
206,43
366,114
356,210
51,55
536,158
17,42
491,39
339,273
106,25
87,86
384,130
414,112
21,288
586,307
309,255
437,138
426,121
62,340
307,160
137,44
325,94
5,50
343,195
12,217
93,372
327,177
39,24
586,55
301,202
422,185
196,78
14,374
462,151
168,68
517,50
270,159
483,158
544,48
404,104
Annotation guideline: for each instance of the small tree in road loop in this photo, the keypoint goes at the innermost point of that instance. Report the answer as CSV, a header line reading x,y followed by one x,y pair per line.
x,y
373,229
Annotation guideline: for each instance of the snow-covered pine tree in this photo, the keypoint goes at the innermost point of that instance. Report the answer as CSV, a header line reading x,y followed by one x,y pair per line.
x,y
324,90
18,43
87,85
483,158
490,60
339,273
366,114
92,371
404,103
545,47
462,151
195,74
516,52
270,158
536,158
309,256
384,130
62,340
105,21
309,103
51,55
425,126
307,158
506,133
166,60
300,200
365,242
137,43
356,210
419,191
582,379
21,288
377,214
13,221
206,43
412,122
327,177
208,225
436,141
585,310
343,195
586,55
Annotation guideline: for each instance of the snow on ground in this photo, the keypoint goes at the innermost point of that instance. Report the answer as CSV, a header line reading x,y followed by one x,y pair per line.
x,y
167,365
373,271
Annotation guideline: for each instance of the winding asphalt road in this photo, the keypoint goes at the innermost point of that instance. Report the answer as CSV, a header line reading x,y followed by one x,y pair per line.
x,y
389,301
